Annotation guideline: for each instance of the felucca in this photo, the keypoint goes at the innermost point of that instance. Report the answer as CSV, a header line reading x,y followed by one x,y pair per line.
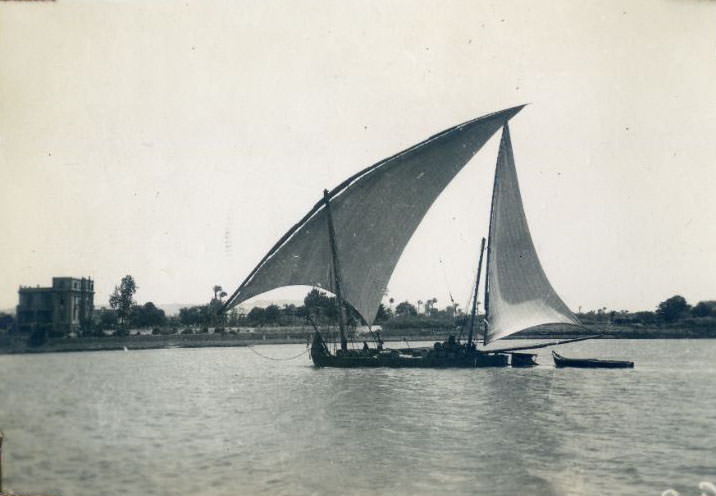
x,y
351,240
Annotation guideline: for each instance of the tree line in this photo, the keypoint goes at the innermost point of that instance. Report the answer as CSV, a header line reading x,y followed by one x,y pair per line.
x,y
125,313
674,310
317,305
426,313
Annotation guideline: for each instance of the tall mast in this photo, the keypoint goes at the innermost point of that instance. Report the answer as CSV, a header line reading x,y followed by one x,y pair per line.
x,y
336,272
505,133
473,314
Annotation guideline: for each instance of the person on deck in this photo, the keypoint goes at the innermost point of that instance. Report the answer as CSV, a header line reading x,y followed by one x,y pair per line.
x,y
379,341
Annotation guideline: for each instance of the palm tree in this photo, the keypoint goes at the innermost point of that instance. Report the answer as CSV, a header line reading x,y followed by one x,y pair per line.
x,y
428,304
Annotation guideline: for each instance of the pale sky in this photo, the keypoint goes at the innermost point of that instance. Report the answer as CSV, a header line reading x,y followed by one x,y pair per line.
x,y
178,140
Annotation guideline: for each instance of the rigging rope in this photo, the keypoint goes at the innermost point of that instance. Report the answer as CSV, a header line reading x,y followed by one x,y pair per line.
x,y
452,300
278,359
447,284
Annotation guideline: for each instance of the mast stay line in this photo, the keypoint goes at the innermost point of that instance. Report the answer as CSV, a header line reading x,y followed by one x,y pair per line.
x,y
473,313
545,345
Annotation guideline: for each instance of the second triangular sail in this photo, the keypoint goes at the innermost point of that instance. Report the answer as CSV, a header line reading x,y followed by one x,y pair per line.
x,y
518,292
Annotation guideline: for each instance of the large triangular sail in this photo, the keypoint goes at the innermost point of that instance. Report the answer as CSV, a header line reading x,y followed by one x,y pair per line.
x,y
518,293
374,214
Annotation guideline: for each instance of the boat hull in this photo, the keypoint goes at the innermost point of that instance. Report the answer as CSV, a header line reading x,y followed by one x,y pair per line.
x,y
402,361
590,363
460,358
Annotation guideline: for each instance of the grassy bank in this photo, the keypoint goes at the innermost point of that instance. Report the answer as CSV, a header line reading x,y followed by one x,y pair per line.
x,y
18,344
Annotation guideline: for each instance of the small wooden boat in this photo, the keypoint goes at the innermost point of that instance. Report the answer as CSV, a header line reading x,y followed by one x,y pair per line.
x,y
590,363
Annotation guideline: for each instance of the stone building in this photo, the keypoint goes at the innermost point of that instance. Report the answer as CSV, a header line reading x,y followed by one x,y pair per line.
x,y
62,308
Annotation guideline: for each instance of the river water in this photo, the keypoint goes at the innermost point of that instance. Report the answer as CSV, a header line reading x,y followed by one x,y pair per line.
x,y
225,421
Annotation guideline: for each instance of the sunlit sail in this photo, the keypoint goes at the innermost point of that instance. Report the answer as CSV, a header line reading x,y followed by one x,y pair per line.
x,y
518,294
374,214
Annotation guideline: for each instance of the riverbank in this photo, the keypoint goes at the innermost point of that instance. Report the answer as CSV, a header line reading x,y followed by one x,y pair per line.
x,y
18,344
302,335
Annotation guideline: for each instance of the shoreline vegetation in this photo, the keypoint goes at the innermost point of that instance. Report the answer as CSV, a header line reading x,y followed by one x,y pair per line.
x,y
128,325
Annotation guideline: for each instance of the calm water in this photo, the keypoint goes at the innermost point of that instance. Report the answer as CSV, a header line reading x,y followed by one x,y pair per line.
x,y
225,421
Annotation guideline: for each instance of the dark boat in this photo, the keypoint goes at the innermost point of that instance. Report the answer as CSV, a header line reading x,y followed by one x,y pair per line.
x,y
351,240
449,354
457,357
590,363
